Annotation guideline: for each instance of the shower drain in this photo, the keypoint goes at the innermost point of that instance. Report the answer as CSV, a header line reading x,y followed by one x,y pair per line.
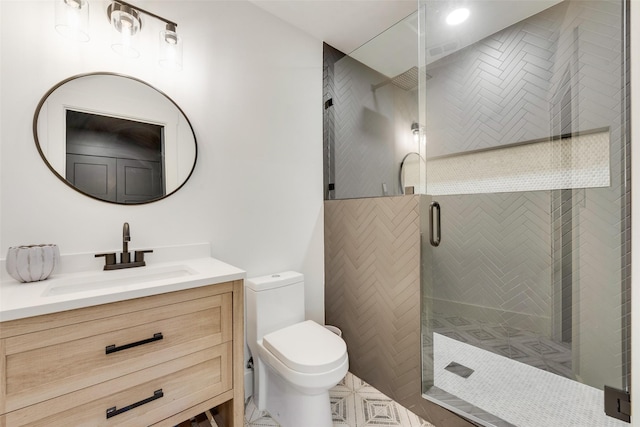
x,y
459,369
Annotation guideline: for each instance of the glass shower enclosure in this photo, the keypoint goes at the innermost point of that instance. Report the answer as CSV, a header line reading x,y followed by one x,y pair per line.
x,y
484,166
523,128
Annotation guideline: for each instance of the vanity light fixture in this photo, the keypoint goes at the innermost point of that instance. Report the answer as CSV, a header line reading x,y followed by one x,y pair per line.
x,y
72,19
415,130
126,21
170,48
458,16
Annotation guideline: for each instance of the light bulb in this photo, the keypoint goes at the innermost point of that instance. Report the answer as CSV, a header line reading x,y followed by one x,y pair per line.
x,y
76,4
72,19
458,16
170,48
126,23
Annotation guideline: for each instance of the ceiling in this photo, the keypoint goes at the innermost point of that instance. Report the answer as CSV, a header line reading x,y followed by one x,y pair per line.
x,y
344,24
384,33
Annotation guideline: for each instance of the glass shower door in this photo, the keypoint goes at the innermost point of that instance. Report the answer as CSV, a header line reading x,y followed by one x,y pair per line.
x,y
526,257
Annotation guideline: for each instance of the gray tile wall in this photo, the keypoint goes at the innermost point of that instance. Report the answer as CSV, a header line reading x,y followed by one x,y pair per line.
x,y
495,259
364,129
330,57
364,146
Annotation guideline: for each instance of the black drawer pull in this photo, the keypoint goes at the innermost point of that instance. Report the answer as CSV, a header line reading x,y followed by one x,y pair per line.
x,y
112,412
112,348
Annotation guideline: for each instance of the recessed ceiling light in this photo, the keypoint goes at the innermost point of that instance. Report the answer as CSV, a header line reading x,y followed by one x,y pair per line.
x,y
458,16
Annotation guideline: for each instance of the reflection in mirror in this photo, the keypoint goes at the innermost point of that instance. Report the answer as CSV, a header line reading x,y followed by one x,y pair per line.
x,y
115,138
410,182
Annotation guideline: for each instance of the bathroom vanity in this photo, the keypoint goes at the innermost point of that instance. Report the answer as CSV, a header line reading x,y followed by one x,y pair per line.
x,y
152,347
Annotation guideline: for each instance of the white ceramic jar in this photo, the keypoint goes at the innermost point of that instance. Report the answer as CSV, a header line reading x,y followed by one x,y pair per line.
x,y
33,262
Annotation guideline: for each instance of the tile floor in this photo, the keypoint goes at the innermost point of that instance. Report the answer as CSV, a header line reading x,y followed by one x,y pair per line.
x,y
505,377
498,338
354,403
513,393
517,344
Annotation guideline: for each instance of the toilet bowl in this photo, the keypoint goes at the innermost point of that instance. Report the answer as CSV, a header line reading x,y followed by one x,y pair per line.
x,y
296,362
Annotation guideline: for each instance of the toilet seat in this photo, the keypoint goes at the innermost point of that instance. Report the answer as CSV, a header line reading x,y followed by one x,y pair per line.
x,y
307,347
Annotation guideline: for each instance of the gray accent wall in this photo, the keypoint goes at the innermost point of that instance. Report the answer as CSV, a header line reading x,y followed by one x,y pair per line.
x,y
330,57
367,129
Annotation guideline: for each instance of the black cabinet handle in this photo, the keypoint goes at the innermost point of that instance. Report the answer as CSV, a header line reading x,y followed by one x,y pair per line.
x,y
112,348
435,232
112,412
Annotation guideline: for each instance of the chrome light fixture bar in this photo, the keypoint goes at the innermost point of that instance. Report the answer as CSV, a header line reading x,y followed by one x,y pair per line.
x,y
126,21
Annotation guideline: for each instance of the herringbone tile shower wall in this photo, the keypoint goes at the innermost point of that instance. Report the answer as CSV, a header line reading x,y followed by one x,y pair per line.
x,y
560,71
364,146
371,130
373,286
372,292
495,259
556,72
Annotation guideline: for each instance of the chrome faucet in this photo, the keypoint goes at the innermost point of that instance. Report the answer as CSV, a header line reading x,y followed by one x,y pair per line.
x,y
125,256
126,238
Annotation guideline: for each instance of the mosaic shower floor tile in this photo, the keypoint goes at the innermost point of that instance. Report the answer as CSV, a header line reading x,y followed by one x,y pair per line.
x,y
504,340
500,339
354,403
516,393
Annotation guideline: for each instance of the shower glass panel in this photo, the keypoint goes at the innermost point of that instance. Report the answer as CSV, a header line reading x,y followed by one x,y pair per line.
x,y
524,110
371,117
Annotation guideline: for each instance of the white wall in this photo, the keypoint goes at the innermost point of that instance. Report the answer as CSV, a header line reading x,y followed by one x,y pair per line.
x,y
251,86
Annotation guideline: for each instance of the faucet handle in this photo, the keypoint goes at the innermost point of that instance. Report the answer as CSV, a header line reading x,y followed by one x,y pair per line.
x,y
139,257
109,258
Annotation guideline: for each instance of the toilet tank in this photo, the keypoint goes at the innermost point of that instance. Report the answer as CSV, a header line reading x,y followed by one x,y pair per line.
x,y
273,302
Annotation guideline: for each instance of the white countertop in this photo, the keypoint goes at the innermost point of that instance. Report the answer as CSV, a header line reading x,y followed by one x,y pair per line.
x,y
67,291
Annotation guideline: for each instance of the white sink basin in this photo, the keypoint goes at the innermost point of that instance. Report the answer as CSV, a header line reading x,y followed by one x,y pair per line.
x,y
117,278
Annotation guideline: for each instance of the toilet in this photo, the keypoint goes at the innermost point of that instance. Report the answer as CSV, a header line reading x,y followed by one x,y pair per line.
x,y
296,361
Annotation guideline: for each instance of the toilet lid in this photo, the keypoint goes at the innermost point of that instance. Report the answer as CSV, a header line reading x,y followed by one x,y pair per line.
x,y
306,347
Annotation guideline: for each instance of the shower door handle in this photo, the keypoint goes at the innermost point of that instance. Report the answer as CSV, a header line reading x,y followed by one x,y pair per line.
x,y
435,231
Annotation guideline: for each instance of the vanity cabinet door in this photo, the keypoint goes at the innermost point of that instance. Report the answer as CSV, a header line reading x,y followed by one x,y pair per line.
x,y
152,394
43,365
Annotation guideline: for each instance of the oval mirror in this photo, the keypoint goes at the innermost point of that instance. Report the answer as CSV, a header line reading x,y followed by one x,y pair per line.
x,y
410,168
115,138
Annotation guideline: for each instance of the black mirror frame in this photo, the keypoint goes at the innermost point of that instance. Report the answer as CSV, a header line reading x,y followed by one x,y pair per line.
x,y
100,73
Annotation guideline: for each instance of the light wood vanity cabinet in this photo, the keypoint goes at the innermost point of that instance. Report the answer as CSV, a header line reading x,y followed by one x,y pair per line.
x,y
157,360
